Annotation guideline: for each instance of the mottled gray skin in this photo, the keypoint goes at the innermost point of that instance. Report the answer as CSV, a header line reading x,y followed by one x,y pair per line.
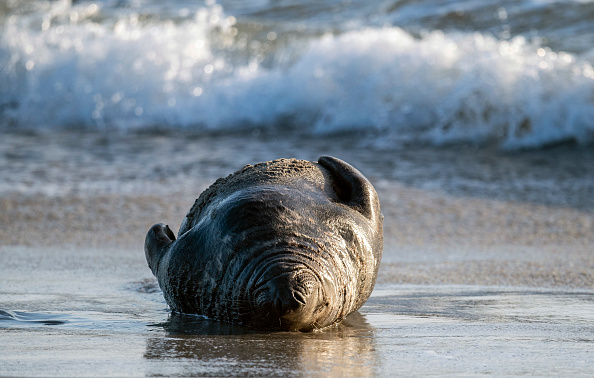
x,y
283,245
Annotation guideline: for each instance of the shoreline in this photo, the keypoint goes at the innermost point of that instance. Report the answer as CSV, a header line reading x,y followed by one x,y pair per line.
x,y
546,247
452,216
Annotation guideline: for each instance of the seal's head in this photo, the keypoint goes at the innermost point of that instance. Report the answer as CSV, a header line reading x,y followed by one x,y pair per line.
x,y
287,244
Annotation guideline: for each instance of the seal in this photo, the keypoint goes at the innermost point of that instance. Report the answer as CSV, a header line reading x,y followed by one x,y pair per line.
x,y
286,245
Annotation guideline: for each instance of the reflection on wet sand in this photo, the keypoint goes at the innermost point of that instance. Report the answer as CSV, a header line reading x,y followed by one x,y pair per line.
x,y
213,348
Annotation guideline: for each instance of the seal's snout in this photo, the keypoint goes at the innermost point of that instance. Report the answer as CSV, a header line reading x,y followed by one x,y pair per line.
x,y
290,300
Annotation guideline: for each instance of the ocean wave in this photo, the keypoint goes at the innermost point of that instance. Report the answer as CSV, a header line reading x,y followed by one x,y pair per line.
x,y
78,67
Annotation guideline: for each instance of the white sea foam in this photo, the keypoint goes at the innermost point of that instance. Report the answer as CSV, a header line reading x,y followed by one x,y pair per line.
x,y
71,65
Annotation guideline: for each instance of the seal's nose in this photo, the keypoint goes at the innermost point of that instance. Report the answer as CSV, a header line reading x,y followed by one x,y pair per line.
x,y
291,299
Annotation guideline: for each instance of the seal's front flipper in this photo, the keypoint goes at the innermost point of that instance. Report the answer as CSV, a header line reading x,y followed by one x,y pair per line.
x,y
157,241
350,187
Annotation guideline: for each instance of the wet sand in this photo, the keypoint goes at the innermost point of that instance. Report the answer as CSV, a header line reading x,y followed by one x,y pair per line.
x,y
489,257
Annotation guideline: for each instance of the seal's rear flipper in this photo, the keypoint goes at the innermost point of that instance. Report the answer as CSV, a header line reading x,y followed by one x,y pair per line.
x,y
350,187
157,241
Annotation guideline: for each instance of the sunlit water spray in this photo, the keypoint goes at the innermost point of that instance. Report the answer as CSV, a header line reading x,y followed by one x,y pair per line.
x,y
397,73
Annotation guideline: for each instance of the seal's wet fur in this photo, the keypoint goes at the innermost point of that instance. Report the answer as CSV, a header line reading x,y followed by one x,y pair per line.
x,y
287,244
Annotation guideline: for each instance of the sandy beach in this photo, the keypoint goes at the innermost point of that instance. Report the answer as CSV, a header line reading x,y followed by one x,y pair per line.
x,y
500,258
452,216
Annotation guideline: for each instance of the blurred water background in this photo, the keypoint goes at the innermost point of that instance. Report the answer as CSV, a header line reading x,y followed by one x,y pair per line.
x,y
510,74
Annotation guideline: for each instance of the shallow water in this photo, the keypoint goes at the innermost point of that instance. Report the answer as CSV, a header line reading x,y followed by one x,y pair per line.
x,y
123,328
99,312
86,163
